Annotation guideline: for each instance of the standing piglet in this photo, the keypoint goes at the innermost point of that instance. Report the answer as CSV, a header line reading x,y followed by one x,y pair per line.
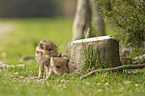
x,y
47,55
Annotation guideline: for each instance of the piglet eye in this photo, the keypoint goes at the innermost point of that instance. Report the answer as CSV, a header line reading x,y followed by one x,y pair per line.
x,y
49,49
57,66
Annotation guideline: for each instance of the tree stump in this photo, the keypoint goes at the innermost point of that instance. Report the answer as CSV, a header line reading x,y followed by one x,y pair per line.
x,y
103,50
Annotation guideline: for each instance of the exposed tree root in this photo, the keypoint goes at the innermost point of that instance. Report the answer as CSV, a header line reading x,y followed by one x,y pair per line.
x,y
119,68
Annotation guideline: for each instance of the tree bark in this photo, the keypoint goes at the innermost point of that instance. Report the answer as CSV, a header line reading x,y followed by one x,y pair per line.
x,y
104,49
82,19
97,19
119,68
69,8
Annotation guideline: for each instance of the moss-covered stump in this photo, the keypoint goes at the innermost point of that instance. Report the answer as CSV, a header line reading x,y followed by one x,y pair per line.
x,y
95,53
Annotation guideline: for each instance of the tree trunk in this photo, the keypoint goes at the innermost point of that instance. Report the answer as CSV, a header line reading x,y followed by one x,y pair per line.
x,y
97,20
69,8
82,19
102,50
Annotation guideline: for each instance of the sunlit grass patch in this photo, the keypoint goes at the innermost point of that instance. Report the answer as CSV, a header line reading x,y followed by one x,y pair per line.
x,y
18,81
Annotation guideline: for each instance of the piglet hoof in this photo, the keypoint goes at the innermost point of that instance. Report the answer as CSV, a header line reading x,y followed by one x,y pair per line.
x,y
47,78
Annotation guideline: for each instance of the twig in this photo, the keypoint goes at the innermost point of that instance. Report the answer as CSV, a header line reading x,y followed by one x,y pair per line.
x,y
119,68
87,35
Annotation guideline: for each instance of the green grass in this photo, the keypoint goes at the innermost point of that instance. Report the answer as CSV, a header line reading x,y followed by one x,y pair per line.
x,y
22,40
26,34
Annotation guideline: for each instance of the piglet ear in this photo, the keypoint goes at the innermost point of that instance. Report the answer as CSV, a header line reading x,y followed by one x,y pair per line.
x,y
52,44
41,45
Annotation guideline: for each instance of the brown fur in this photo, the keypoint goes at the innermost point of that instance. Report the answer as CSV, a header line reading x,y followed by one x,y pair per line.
x,y
48,56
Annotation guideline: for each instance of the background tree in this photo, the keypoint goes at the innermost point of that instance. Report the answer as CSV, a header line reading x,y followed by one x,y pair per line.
x,y
97,19
82,19
128,18
37,8
86,12
69,7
